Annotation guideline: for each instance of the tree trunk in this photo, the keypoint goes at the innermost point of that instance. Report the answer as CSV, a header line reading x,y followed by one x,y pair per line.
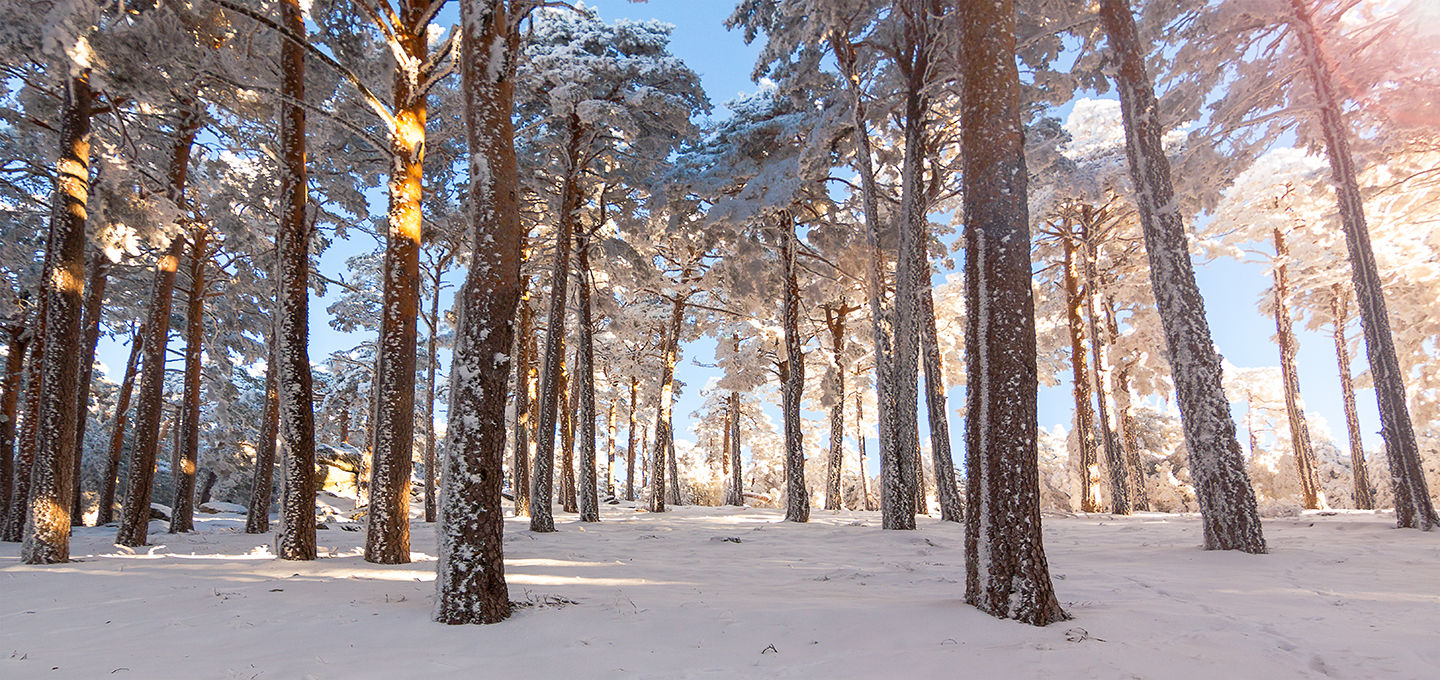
x,y
737,486
1084,413
1227,501
673,489
1100,377
99,269
387,539
835,322
16,348
947,492
257,519
1340,311
567,441
1139,496
630,443
866,503
106,512
14,528
182,508
922,503
585,368
610,426
524,384
1006,572
470,581
1285,335
432,362
797,496
47,527
1413,506
895,491
671,348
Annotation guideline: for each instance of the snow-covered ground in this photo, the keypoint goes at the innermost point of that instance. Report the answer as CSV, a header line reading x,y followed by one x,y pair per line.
x,y
731,593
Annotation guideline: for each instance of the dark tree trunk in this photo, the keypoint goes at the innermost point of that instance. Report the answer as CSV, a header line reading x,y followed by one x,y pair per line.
x,y
610,428
1227,501
207,484
524,395
669,351
737,487
150,409
295,539
797,496
106,513
257,519
14,528
1413,506
387,539
432,361
1006,572
585,370
630,443
947,492
1129,446
1285,335
866,503
567,442
11,384
1084,413
470,581
47,527
182,508
99,270
835,322
1340,311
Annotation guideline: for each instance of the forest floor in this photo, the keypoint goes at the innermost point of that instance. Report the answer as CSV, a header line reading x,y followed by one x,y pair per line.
x,y
735,593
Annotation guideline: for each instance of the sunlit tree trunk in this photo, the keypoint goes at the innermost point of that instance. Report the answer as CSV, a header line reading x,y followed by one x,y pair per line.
x,y
1340,312
1294,410
182,506
1084,413
610,428
1115,463
1006,572
1229,515
1413,506
98,275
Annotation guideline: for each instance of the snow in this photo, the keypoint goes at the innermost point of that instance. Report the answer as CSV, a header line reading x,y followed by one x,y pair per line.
x,y
669,596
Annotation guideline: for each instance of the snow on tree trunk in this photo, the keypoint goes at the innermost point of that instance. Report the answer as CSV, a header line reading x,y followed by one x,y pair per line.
x,y
1006,572
542,482
947,491
1413,506
11,385
1084,414
866,503
387,536
432,362
797,497
182,505
470,575
737,486
895,503
1222,485
1115,463
567,440
1294,410
835,322
47,526
585,369
1340,311
1124,418
524,384
14,528
630,443
670,348
149,410
610,428
295,539
257,520
99,269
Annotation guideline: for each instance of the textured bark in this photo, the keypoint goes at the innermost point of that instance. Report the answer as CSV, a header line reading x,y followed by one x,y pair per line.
x,y
11,384
1100,377
922,503
737,486
835,462
295,539
432,362
1084,413
1124,418
610,427
99,273
947,491
585,374
1340,311
106,512
524,395
797,496
669,350
895,505
542,483
14,528
1413,506
1290,375
257,520
630,442
387,538
182,505
470,577
1006,572
47,526
567,443
1227,501
866,503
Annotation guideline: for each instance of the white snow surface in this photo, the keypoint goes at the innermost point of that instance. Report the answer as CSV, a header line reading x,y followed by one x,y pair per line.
x,y
666,596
